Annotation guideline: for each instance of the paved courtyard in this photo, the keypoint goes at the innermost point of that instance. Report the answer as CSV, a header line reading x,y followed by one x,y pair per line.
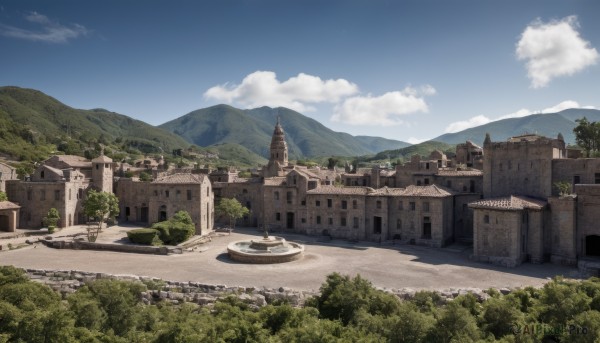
x,y
390,266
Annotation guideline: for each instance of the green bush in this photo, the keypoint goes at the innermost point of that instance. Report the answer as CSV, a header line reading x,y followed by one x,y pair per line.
x,y
144,236
175,230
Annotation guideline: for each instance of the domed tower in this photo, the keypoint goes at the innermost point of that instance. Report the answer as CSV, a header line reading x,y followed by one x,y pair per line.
x,y
279,152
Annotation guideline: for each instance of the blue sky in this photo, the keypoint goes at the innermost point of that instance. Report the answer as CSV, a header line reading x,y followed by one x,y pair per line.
x,y
406,70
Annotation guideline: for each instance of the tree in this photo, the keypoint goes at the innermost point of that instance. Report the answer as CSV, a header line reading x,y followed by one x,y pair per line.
x,y
3,196
587,135
232,209
51,219
563,187
145,176
100,206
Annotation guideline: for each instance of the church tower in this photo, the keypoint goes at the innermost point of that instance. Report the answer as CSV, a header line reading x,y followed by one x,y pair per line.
x,y
279,151
278,158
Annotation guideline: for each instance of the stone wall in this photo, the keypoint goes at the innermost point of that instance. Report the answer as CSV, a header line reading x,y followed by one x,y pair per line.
x,y
177,292
563,229
497,237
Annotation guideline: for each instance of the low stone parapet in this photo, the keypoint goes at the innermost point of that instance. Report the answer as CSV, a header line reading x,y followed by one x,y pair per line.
x,y
137,249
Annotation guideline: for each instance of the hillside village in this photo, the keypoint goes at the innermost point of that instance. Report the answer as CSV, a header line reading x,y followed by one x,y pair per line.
x,y
500,197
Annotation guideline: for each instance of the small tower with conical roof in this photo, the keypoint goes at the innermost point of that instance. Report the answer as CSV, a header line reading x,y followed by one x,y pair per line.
x,y
278,157
279,151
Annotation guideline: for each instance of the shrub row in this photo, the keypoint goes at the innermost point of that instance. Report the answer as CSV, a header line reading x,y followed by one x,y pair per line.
x,y
144,236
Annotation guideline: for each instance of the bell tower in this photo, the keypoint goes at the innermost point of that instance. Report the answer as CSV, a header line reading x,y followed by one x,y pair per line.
x,y
279,151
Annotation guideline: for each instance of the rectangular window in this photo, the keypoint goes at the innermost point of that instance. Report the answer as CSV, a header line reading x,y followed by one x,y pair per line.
x,y
303,203
303,220
355,223
426,228
378,204
289,197
576,179
276,194
318,219
57,195
399,224
189,194
277,216
425,206
597,178
354,204
330,221
344,204
329,203
426,182
317,203
448,183
412,205
167,194
486,219
343,221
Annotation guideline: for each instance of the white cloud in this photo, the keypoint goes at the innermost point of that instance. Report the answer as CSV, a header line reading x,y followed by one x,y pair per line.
x,y
554,49
466,124
413,140
481,119
262,88
49,32
381,110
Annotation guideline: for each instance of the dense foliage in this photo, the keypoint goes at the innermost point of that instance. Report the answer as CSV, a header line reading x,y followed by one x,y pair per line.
x,y
144,236
177,229
348,310
232,209
587,135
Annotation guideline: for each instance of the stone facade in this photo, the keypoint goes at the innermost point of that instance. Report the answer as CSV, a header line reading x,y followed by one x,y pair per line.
x,y
565,231
9,216
149,202
6,173
60,182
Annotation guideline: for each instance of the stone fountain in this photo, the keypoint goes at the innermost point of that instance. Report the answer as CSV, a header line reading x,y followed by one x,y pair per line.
x,y
266,250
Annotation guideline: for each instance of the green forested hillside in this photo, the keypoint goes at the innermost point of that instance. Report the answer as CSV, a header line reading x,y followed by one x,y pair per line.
x,y
253,129
33,125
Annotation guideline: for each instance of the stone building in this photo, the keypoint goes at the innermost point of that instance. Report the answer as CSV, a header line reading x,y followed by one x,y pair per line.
x,y
149,202
9,216
6,173
560,228
60,182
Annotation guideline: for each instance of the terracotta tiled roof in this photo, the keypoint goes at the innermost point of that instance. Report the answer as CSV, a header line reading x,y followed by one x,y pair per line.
x,y
180,178
275,181
387,191
56,171
340,190
427,191
74,161
509,203
103,159
7,205
454,172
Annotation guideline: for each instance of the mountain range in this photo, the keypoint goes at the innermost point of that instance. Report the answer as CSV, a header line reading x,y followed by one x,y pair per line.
x,y
34,125
253,129
549,125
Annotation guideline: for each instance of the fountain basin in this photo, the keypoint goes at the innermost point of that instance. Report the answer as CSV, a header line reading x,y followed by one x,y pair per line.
x,y
264,251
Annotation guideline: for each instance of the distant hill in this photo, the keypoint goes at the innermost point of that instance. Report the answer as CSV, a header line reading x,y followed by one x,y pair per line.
x,y
378,144
548,125
423,149
253,129
33,125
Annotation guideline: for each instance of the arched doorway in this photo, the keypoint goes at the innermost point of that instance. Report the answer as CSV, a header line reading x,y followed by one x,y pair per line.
x,y
592,245
162,213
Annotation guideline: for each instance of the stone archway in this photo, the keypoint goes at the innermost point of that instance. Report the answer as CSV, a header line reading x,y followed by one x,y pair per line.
x,y
592,245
